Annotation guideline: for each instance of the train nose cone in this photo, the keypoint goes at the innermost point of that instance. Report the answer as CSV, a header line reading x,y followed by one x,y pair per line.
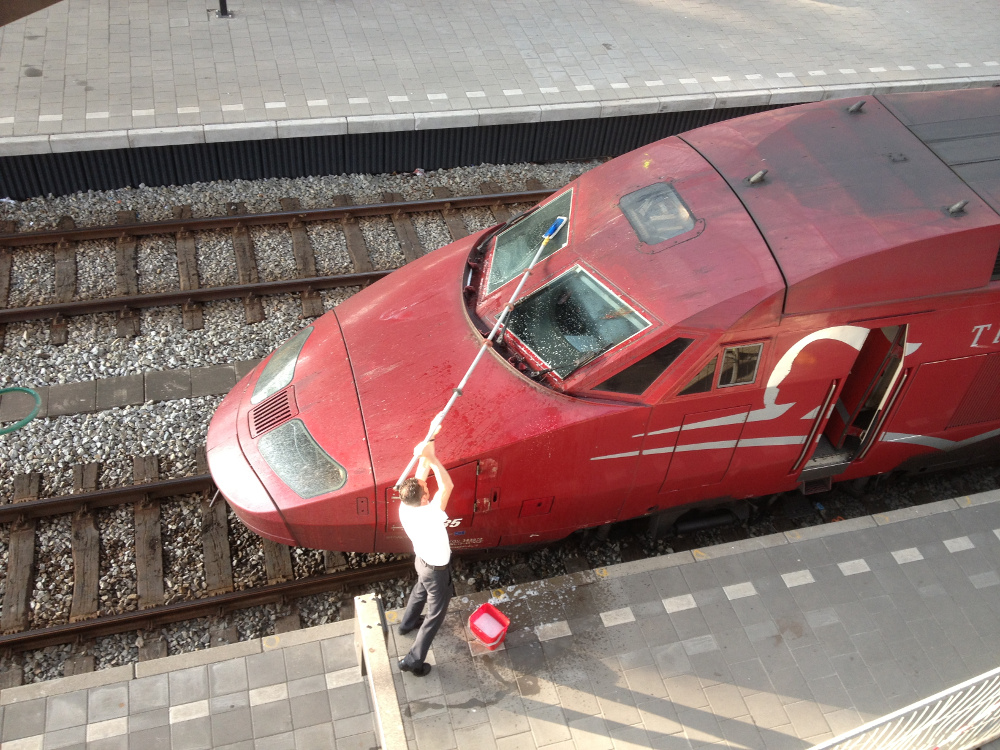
x,y
301,432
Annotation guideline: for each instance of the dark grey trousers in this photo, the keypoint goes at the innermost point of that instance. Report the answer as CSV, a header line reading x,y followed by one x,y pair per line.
x,y
433,587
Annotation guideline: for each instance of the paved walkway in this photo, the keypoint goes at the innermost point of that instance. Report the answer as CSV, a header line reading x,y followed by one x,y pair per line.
x,y
145,73
776,642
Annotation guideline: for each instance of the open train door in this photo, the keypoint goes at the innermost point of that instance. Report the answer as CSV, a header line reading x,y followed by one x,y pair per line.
x,y
863,396
859,411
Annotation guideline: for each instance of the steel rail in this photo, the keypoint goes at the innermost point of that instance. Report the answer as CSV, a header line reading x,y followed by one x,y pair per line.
x,y
173,226
178,297
54,506
153,617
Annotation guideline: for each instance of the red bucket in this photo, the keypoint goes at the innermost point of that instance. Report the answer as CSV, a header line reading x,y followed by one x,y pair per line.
x,y
489,625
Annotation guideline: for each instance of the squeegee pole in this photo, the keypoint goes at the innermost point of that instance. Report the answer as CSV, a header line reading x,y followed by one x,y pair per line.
x,y
487,342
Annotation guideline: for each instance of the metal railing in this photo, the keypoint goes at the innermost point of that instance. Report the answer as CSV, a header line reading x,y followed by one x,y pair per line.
x,y
962,717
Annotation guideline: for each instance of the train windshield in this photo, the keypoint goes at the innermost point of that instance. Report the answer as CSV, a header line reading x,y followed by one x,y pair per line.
x,y
572,320
517,245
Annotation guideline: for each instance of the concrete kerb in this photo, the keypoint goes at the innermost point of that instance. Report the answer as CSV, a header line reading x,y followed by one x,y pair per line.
x,y
303,128
462,118
63,685
241,131
105,140
179,136
320,126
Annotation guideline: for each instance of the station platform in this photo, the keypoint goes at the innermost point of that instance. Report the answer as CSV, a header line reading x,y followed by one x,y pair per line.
x,y
113,74
780,641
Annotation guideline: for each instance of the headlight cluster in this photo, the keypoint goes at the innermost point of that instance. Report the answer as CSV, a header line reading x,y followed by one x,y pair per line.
x,y
280,369
298,460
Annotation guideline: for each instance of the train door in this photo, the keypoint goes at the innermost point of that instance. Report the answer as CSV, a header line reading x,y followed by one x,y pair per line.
x,y
856,416
691,438
704,448
865,390
466,510
952,409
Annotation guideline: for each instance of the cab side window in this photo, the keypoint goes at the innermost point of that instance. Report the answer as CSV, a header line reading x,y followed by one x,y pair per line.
x,y
702,382
638,376
739,365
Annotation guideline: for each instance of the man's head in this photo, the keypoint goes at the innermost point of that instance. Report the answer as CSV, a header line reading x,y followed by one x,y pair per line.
x,y
413,491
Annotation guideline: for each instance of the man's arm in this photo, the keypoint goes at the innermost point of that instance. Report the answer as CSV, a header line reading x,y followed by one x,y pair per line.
x,y
445,485
423,469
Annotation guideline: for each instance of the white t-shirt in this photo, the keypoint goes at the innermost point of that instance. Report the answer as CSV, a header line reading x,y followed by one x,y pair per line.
x,y
424,524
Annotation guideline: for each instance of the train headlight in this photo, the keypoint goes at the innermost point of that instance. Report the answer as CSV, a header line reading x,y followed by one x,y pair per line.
x,y
280,369
300,462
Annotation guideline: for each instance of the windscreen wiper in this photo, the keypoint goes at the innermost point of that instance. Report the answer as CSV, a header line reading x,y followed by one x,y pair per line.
x,y
576,364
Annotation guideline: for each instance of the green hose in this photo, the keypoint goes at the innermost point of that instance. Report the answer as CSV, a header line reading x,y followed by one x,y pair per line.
x,y
34,412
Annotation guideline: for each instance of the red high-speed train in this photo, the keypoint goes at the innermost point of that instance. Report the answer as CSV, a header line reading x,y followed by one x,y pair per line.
x,y
794,298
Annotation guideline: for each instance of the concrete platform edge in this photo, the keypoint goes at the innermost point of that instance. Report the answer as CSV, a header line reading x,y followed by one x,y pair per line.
x,y
197,658
66,684
236,132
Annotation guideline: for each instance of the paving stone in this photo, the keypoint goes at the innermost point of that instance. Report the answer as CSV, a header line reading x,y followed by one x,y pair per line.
x,y
349,700
167,385
23,720
478,737
338,653
16,406
304,660
267,668
107,702
245,367
72,398
126,390
191,735
319,737
212,381
188,685
228,676
231,726
147,693
62,711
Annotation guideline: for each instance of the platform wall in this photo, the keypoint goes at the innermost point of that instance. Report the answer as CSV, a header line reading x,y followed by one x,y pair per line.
x,y
23,177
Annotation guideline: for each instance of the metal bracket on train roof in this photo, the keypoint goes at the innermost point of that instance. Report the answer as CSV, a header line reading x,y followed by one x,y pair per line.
x,y
957,209
757,177
856,108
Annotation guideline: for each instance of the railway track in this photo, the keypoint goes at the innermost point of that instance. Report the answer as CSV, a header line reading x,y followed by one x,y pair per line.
x,y
190,293
153,608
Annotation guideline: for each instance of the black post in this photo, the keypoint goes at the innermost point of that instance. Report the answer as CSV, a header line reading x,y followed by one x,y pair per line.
x,y
223,11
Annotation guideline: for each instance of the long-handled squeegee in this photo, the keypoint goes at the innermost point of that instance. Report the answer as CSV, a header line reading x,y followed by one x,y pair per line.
x,y
487,342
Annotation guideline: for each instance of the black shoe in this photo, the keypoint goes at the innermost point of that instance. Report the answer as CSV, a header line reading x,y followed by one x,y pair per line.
x,y
406,631
422,671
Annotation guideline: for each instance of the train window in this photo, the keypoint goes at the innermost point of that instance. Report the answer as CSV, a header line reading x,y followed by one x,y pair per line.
x,y
572,320
280,369
295,456
739,365
638,376
516,246
656,213
702,382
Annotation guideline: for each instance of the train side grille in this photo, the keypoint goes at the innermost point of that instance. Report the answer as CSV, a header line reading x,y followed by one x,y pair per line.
x,y
273,412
